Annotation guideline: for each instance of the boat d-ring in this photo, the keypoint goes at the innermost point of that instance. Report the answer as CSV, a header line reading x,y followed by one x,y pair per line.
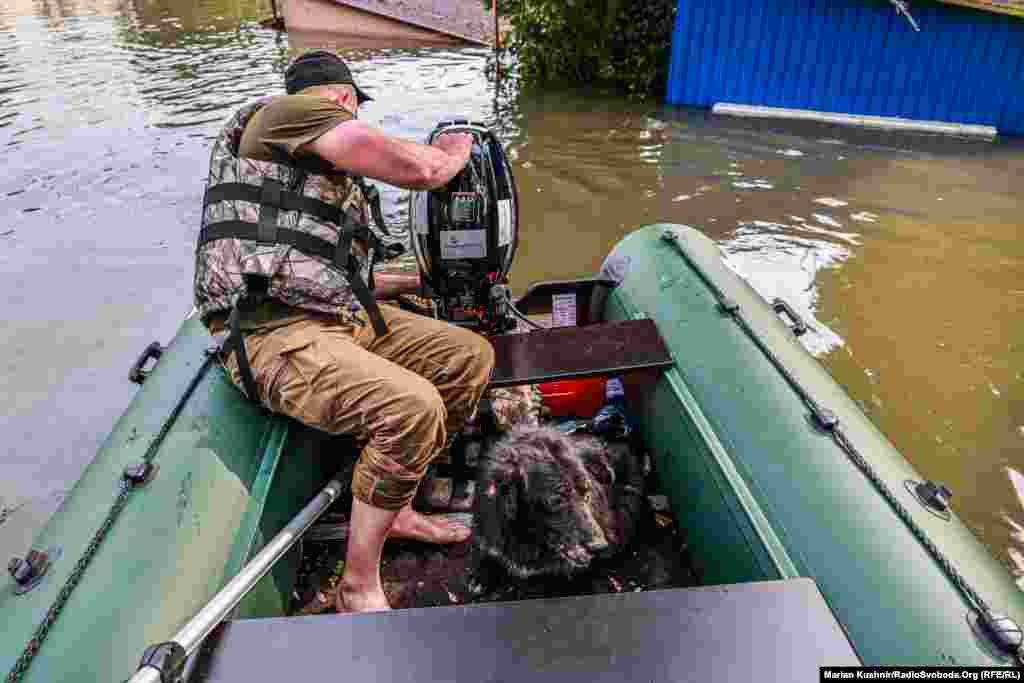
x,y
934,497
999,635
799,327
29,571
137,373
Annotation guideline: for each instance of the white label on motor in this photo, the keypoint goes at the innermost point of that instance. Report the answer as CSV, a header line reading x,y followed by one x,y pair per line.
x,y
563,310
456,244
504,222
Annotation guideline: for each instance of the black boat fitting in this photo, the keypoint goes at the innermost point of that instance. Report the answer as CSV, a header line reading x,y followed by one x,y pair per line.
x,y
1004,632
139,474
27,572
935,496
166,659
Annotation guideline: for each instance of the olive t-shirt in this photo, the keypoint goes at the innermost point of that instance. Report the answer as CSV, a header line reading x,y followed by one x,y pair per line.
x,y
288,122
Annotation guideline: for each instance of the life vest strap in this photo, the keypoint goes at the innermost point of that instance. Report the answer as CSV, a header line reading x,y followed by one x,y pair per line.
x,y
236,343
283,200
365,297
271,194
310,245
372,195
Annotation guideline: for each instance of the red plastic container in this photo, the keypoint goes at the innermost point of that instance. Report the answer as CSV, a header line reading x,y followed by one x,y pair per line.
x,y
574,397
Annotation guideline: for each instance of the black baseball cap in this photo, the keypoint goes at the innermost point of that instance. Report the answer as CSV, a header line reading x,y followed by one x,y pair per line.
x,y
319,68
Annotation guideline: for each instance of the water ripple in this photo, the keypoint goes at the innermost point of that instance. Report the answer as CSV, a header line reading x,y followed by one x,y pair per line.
x,y
782,260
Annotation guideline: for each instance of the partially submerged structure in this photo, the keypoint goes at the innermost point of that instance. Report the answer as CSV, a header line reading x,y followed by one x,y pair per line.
x,y
930,61
390,23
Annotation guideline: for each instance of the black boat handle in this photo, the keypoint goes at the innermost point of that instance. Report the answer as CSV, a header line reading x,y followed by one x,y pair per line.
x,y
137,374
798,327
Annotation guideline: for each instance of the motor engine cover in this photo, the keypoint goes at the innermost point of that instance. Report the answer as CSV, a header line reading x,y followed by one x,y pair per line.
x,y
466,233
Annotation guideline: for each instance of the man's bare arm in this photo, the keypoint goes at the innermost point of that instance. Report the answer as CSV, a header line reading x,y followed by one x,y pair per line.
x,y
362,149
390,285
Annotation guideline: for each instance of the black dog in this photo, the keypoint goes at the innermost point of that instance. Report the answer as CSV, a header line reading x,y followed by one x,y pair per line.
x,y
547,504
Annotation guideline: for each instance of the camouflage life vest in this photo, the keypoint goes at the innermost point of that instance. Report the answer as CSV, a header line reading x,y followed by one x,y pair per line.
x,y
286,230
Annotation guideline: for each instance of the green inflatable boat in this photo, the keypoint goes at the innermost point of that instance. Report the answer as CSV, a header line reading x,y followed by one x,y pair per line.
x,y
772,470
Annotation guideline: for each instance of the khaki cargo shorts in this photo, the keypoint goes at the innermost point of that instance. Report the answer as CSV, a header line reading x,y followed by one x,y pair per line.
x,y
402,393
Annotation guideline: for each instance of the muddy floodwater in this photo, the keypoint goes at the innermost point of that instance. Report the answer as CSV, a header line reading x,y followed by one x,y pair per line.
x,y
905,254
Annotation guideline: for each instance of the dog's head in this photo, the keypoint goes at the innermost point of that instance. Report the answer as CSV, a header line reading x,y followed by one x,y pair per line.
x,y
540,509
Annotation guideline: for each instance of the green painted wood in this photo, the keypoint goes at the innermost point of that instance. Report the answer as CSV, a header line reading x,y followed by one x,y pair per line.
x,y
169,550
893,599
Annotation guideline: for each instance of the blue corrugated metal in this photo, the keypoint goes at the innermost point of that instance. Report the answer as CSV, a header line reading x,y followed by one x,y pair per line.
x,y
853,57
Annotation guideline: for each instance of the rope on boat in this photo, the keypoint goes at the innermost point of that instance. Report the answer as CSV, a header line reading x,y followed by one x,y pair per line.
x,y
829,422
6,512
126,487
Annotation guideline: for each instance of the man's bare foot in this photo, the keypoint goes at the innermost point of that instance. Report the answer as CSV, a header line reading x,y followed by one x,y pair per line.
x,y
415,526
347,598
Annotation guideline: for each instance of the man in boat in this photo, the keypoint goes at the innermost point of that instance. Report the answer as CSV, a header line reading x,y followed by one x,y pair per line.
x,y
284,261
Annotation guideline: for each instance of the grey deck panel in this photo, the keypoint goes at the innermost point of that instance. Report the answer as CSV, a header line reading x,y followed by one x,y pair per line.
x,y
768,631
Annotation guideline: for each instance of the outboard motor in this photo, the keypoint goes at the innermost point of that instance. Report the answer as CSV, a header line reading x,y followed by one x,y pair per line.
x,y
466,233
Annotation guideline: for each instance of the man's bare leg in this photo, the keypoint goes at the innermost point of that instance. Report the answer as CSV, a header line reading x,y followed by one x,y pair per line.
x,y
359,589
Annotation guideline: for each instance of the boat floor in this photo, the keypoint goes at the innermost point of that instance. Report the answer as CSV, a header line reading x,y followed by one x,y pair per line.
x,y
424,575
421,575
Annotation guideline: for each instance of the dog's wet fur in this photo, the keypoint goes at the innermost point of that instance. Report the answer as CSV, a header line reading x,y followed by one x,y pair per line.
x,y
548,504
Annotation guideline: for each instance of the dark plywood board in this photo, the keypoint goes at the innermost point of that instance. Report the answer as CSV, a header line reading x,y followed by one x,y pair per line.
x,y
565,352
769,631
